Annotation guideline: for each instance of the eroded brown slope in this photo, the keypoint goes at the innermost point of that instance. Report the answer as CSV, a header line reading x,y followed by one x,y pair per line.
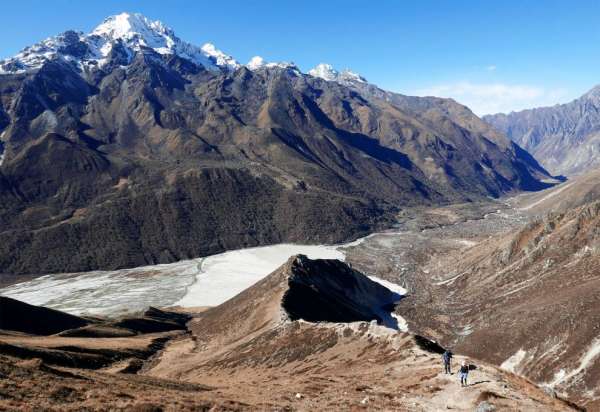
x,y
92,367
250,349
159,160
247,354
527,300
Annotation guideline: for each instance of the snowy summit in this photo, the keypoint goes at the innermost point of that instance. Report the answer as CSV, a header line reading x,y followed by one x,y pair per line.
x,y
124,34
218,57
258,62
132,31
327,72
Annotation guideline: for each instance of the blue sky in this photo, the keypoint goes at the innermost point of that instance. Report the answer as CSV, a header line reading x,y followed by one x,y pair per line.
x,y
492,56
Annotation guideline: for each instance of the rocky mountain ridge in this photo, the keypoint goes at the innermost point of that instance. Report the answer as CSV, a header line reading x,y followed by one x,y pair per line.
x,y
565,138
161,151
120,35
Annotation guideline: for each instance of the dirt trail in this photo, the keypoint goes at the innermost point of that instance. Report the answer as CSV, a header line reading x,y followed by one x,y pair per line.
x,y
249,351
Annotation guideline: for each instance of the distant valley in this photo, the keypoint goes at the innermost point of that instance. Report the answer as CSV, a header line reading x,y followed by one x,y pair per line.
x,y
182,231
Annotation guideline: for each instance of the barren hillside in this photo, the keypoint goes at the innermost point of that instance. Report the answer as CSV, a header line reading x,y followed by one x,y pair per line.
x,y
249,354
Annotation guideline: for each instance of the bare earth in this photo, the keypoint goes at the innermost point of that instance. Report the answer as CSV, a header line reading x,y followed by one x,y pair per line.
x,y
247,354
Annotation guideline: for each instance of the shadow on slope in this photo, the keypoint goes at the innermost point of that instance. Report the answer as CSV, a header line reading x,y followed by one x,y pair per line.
x,y
337,293
36,320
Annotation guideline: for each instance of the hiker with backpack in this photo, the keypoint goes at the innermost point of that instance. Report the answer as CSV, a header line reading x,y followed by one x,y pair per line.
x,y
463,373
447,359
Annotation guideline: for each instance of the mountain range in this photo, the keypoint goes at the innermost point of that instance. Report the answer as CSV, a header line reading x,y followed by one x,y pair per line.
x,y
128,146
565,138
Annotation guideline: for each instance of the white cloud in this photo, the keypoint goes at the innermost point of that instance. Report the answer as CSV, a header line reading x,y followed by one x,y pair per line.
x,y
487,98
491,68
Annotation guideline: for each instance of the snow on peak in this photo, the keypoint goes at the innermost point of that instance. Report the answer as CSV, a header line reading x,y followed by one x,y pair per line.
x,y
128,33
126,26
349,75
327,72
258,62
218,57
133,31
324,71
255,63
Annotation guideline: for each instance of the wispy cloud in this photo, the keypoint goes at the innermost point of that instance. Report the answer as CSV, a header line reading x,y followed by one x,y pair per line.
x,y
491,68
486,98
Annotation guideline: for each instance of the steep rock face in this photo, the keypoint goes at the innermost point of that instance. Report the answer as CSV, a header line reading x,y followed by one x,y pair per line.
x,y
336,292
151,155
565,138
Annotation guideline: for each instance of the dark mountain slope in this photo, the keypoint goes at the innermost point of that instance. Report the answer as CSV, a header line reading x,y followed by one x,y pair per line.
x,y
37,320
477,152
152,158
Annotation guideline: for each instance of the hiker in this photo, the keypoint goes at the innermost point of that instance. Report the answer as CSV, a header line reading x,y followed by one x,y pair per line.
x,y
464,373
447,358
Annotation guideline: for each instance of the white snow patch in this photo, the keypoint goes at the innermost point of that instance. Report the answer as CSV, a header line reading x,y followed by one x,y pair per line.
x,y
225,275
519,287
466,331
255,63
586,360
449,281
108,292
258,62
585,251
402,323
327,72
466,242
513,362
391,286
558,377
324,71
221,59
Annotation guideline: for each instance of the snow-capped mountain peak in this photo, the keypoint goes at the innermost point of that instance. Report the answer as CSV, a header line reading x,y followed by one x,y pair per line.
x,y
324,71
127,26
119,37
327,72
218,57
258,62
131,30
255,63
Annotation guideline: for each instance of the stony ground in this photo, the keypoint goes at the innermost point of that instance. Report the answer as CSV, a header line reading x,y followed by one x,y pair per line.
x,y
427,253
402,255
246,354
249,351
501,281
